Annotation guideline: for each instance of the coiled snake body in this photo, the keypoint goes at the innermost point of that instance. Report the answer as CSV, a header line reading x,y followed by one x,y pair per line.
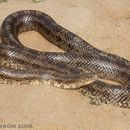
x,y
81,67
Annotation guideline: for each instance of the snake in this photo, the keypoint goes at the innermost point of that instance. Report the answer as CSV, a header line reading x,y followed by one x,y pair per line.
x,y
81,66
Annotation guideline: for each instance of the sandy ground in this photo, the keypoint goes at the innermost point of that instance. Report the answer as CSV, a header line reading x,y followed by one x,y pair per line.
x,y
105,24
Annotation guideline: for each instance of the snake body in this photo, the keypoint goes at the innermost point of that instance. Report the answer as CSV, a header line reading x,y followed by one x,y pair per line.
x,y
80,67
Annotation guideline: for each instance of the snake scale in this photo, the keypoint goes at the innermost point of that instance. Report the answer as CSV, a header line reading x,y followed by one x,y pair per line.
x,y
81,67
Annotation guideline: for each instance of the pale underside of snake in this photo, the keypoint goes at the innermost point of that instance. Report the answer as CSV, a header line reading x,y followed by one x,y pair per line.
x,y
81,67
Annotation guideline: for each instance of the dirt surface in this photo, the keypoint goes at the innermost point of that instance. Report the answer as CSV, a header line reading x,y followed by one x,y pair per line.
x,y
106,25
